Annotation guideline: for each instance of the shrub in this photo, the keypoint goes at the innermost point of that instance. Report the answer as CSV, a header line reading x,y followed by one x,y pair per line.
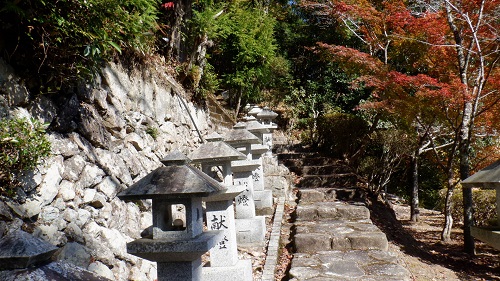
x,y
340,133
484,206
62,42
23,145
152,131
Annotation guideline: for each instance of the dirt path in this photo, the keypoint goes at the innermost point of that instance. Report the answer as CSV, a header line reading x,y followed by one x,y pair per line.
x,y
421,252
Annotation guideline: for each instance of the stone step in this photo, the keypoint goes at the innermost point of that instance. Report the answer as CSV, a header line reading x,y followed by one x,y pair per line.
x,y
319,170
316,242
330,210
298,155
330,194
301,162
312,237
335,180
372,265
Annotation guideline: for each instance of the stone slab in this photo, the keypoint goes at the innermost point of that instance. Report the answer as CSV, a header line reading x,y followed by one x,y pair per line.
x,y
220,216
169,250
368,241
240,271
251,231
20,249
263,202
180,271
312,242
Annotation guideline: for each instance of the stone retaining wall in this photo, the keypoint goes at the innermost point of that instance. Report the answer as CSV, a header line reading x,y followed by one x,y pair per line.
x,y
103,138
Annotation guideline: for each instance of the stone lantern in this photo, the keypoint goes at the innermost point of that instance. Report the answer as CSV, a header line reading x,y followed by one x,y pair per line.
x,y
258,129
266,117
254,110
263,197
177,248
242,138
224,262
216,153
487,178
251,228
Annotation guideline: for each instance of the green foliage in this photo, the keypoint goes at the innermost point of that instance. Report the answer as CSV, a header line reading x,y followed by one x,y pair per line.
x,y
383,157
63,42
340,134
484,206
244,46
209,82
23,145
152,131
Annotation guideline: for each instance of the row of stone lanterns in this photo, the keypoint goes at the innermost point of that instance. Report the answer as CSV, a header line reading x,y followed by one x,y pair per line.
x,y
177,243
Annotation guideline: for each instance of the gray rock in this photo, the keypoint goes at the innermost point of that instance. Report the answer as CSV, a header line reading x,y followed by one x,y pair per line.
x,y
90,126
59,204
90,176
307,212
98,201
135,140
88,195
70,215
62,146
5,214
74,232
28,209
51,234
346,269
113,165
137,274
102,270
311,195
119,220
48,214
54,271
67,190
4,227
368,241
120,269
67,117
17,94
391,270
115,241
84,146
130,157
83,217
73,168
304,273
76,254
43,109
48,189
30,180
312,242
108,187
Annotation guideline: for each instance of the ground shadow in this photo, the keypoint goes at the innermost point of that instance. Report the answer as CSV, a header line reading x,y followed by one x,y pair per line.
x,y
483,266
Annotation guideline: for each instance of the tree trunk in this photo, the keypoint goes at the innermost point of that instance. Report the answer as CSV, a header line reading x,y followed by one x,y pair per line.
x,y
469,245
238,103
414,210
448,219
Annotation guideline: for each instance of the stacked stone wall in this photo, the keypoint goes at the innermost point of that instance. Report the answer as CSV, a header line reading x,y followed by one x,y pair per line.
x,y
103,138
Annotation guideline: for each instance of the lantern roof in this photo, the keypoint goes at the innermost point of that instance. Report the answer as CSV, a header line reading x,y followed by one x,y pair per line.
x,y
216,151
487,178
240,136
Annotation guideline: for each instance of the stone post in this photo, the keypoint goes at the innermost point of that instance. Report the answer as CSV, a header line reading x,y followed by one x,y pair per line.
x,y
224,262
266,117
251,229
177,248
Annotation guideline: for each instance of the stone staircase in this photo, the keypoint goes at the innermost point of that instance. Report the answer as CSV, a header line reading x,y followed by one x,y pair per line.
x,y
333,236
219,116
